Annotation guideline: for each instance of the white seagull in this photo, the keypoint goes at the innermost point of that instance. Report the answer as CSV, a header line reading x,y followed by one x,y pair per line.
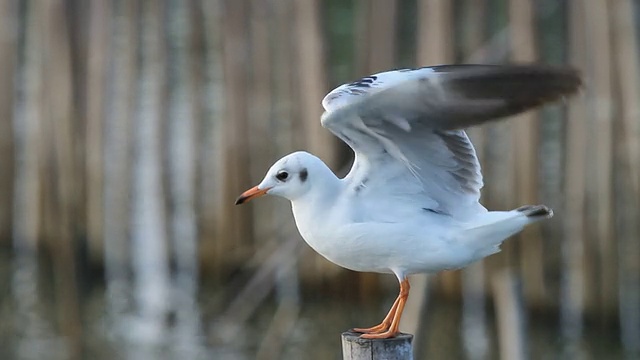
x,y
410,203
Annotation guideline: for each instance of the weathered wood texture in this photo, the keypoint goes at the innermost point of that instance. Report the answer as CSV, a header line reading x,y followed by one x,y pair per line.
x,y
356,348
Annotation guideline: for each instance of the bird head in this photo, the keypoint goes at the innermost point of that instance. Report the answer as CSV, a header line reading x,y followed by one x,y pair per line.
x,y
289,178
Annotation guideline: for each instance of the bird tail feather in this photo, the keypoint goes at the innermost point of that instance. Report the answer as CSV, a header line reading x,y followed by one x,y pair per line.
x,y
497,226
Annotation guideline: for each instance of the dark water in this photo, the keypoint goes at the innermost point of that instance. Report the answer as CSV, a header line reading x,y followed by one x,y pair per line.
x,y
36,323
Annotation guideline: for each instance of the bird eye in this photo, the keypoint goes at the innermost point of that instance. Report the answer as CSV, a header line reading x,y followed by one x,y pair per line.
x,y
282,175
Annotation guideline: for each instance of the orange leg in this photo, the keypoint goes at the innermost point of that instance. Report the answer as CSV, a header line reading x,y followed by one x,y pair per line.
x,y
389,326
395,322
384,325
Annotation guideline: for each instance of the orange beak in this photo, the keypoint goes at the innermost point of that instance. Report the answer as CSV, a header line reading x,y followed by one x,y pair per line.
x,y
254,192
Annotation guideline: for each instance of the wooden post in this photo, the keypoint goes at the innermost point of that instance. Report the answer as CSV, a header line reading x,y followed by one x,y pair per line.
x,y
356,348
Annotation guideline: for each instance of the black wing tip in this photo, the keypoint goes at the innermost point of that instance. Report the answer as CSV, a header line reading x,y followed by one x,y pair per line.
x,y
567,78
520,87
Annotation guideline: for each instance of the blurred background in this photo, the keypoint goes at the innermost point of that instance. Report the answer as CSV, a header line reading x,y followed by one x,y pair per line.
x,y
127,129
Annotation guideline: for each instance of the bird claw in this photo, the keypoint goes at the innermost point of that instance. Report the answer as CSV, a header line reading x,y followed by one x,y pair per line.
x,y
383,335
372,330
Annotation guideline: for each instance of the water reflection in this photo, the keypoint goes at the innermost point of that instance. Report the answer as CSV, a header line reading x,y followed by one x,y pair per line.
x,y
281,327
34,334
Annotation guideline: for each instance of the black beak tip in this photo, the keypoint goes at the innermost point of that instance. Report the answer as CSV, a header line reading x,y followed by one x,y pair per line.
x,y
240,200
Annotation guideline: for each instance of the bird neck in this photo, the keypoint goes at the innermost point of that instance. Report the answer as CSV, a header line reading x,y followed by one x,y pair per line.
x,y
323,191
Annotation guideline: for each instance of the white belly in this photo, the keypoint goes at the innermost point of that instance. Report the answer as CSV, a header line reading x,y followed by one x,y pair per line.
x,y
385,247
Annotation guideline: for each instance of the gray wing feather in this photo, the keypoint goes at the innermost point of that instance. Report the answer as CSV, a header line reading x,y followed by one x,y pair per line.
x,y
406,126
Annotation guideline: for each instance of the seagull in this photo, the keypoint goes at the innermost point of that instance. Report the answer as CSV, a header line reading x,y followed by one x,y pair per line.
x,y
410,203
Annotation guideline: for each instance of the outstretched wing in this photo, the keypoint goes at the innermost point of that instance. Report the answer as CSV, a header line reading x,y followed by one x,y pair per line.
x,y
406,127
